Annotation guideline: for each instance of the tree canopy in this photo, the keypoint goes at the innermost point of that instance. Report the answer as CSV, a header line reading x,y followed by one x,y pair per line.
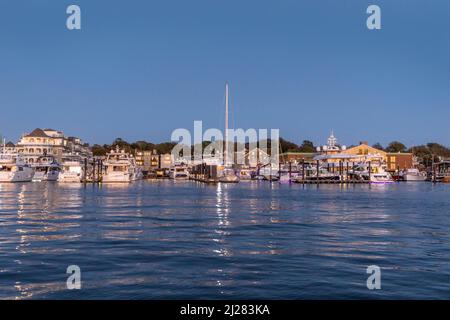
x,y
396,146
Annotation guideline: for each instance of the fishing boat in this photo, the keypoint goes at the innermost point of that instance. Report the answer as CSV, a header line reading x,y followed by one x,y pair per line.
x,y
120,167
413,174
46,168
14,169
72,169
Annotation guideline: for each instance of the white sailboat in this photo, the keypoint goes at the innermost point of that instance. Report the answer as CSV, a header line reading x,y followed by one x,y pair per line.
x,y
228,173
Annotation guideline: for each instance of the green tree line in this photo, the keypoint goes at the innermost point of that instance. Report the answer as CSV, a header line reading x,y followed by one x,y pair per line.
x,y
425,152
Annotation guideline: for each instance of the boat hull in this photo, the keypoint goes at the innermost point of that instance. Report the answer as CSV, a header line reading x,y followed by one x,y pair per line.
x,y
121,178
19,176
69,178
229,179
46,176
410,177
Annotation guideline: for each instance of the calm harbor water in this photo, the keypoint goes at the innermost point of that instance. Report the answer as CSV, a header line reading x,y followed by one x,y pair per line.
x,y
253,240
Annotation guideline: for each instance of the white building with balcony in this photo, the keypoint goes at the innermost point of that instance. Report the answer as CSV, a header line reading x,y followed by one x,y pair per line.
x,y
49,142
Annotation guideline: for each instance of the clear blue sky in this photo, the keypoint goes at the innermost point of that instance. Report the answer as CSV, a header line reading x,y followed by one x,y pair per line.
x,y
139,69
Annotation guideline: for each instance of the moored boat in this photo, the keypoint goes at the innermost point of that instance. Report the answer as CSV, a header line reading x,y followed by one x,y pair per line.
x,y
374,174
179,173
14,169
46,169
120,167
229,176
72,169
413,174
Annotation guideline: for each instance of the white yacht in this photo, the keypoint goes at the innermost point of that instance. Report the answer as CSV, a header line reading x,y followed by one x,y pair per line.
x,y
179,173
46,169
120,167
414,174
377,175
72,169
14,169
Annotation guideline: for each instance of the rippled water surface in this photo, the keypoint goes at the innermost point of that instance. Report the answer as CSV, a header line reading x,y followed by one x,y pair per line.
x,y
253,240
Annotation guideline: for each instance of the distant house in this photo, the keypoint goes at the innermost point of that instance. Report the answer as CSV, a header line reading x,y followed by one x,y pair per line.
x,y
8,147
165,161
147,160
393,161
38,143
363,149
399,160
41,142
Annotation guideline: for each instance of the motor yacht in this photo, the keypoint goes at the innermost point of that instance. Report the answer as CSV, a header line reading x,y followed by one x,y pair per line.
x,y
120,167
46,169
14,169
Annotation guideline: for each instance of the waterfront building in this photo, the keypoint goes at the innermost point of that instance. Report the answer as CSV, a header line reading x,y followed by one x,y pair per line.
x,y
363,150
76,146
43,142
297,157
402,161
147,160
38,143
332,152
165,161
8,148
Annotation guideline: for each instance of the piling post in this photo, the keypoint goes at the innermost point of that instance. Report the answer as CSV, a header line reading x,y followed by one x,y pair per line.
x,y
99,168
85,170
93,170
318,171
303,170
346,173
434,171
290,171
100,178
279,171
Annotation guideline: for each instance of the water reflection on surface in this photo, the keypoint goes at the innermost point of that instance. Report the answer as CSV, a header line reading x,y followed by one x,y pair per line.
x,y
159,239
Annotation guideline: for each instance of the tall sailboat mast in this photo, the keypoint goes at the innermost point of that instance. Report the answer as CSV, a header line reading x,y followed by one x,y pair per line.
x,y
226,125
